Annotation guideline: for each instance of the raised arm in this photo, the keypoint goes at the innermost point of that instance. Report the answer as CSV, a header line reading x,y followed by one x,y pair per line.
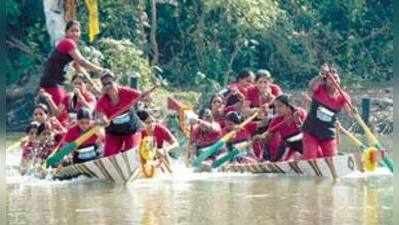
x,y
81,61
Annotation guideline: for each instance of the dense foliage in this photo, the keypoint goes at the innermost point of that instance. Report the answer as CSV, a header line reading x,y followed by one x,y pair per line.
x,y
217,38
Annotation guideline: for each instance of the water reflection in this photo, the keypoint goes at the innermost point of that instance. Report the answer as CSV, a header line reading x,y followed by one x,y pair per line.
x,y
221,200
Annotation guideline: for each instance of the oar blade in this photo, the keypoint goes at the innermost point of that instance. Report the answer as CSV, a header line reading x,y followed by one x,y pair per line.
x,y
227,158
60,154
206,152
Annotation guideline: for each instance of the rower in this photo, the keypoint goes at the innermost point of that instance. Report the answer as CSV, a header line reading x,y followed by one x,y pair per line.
x,y
205,132
51,82
287,124
80,97
29,146
264,91
91,148
217,107
319,128
164,140
49,132
122,132
243,85
233,119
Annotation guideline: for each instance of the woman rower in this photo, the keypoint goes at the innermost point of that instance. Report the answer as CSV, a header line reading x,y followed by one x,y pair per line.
x,y
217,107
205,132
29,147
121,133
91,148
163,139
65,52
81,97
49,132
265,91
319,128
287,124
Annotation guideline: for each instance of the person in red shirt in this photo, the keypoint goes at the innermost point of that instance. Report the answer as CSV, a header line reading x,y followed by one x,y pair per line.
x,y
121,133
29,147
163,138
65,52
205,132
287,123
264,90
90,149
49,134
319,128
217,107
81,97
244,84
238,103
233,119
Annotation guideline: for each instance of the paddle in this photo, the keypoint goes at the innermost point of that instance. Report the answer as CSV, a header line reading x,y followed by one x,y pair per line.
x,y
370,136
214,148
242,147
57,156
231,155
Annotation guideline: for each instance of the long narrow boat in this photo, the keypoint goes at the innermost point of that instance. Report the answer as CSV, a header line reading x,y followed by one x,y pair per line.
x,y
344,164
119,168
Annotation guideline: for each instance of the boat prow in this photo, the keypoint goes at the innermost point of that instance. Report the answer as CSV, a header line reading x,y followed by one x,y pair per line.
x,y
119,168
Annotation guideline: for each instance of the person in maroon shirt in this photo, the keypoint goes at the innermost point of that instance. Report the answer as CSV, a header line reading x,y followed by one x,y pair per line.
x,y
217,107
233,119
244,84
319,128
264,90
49,134
287,123
81,97
205,132
121,133
29,147
65,52
163,139
90,149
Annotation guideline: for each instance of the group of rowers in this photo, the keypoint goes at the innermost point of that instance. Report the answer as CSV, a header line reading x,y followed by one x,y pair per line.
x,y
281,130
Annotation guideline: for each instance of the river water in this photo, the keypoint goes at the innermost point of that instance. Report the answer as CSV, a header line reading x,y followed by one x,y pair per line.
x,y
190,198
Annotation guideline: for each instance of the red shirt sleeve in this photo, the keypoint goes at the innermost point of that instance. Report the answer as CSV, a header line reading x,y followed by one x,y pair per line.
x,y
66,45
130,93
69,137
276,124
251,128
162,134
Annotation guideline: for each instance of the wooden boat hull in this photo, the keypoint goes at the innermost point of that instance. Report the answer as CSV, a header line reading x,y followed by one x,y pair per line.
x,y
118,168
344,164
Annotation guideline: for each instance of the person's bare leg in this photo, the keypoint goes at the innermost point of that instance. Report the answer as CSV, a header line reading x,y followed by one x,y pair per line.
x,y
331,164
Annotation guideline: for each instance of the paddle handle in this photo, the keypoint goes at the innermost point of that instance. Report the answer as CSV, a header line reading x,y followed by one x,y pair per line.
x,y
232,133
133,102
354,139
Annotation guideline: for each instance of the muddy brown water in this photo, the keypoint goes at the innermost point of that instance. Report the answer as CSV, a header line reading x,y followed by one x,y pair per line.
x,y
201,199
